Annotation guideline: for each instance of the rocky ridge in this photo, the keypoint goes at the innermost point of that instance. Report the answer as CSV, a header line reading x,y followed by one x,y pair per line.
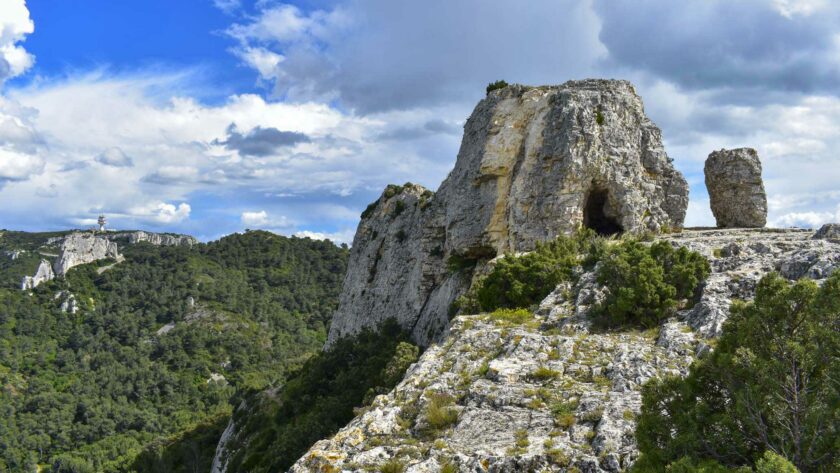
x,y
157,239
535,162
82,248
550,394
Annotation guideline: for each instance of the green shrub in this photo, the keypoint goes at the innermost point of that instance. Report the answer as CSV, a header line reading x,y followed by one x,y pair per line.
x,y
499,84
599,117
440,412
510,317
517,282
770,384
392,466
449,467
647,282
774,463
399,207
544,373
370,209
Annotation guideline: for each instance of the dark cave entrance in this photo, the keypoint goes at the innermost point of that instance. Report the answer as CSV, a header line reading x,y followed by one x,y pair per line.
x,y
595,216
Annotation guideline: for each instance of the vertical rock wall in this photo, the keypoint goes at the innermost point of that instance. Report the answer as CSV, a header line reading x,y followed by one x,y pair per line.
x,y
535,162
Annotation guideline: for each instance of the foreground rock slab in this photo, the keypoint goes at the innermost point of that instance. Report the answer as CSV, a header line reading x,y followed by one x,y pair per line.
x,y
736,191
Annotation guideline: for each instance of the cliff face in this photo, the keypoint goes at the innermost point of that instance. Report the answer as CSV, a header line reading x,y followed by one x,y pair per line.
x,y
534,162
44,273
551,394
157,239
82,248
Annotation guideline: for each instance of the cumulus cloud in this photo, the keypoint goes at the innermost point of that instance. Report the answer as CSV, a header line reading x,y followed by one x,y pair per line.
x,y
745,45
15,24
160,212
377,55
260,141
18,167
343,236
114,157
261,219
806,219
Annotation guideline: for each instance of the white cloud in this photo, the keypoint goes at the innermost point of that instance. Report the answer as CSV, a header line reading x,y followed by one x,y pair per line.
x,y
158,212
260,219
16,166
264,61
343,236
807,219
254,219
227,6
15,24
791,8
114,157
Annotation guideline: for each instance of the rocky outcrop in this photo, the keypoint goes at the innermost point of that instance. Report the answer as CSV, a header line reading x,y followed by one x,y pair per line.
x,y
44,273
829,231
736,191
551,394
82,248
157,239
535,162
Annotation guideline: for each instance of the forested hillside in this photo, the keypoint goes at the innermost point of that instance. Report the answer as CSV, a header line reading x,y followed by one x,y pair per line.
x,y
158,346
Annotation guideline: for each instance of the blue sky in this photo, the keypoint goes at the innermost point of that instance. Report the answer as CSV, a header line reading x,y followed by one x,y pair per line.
x,y
212,116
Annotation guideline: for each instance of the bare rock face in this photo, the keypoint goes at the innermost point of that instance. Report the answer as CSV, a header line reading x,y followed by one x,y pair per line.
x,y
829,231
157,239
82,248
736,191
535,162
44,273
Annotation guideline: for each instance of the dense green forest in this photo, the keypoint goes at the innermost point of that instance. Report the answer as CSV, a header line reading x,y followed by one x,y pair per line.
x,y
275,428
92,390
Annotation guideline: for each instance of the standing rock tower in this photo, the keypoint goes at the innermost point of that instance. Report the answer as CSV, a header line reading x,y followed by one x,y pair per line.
x,y
736,191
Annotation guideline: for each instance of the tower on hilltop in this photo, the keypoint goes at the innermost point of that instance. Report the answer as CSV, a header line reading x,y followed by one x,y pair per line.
x,y
102,221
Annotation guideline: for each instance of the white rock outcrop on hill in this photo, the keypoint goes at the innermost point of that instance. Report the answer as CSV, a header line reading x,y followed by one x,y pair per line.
x,y
534,162
44,273
82,248
551,394
157,239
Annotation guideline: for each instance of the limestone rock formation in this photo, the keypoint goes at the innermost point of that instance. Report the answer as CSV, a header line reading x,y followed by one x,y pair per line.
x,y
157,239
736,191
44,273
552,395
82,248
534,162
829,231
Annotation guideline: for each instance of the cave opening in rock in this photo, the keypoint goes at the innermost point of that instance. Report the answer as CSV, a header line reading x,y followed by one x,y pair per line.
x,y
595,215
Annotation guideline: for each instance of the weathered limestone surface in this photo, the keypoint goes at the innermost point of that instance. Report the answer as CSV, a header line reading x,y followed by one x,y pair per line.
x,y
583,415
736,191
157,239
82,248
44,273
534,162
829,231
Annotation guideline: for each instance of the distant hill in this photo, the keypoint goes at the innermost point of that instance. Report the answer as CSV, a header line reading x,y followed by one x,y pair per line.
x,y
155,346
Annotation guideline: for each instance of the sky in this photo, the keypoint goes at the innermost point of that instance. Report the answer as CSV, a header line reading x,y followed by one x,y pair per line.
x,y
209,117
